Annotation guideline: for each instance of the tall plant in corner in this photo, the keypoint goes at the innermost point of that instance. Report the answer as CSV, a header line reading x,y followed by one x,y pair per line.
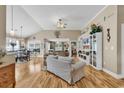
x,y
95,28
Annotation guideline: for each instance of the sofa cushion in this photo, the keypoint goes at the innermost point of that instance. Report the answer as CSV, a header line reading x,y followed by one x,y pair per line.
x,y
69,59
65,58
53,56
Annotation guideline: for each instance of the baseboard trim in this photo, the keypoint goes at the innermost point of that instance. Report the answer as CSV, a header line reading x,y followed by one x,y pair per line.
x,y
117,76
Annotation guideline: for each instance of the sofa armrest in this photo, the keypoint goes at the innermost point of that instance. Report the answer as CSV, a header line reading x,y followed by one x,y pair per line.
x,y
78,65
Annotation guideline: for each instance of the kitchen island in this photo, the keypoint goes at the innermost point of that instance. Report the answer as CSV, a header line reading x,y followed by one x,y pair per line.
x,y
7,72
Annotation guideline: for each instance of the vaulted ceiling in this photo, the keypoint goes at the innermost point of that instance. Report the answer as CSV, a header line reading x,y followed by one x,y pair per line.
x,y
35,18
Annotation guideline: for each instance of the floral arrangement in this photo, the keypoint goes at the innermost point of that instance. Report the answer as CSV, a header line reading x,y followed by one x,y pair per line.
x,y
95,28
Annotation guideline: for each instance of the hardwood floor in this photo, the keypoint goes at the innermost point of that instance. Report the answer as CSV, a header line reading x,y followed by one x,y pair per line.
x,y
30,75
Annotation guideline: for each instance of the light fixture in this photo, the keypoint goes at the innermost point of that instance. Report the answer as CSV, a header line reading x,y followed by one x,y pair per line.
x,y
12,32
21,32
21,39
60,24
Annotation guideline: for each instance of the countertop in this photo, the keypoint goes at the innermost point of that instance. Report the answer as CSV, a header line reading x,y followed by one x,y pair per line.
x,y
7,60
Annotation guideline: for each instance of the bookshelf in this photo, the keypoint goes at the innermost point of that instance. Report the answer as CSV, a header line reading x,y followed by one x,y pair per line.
x,y
96,50
84,49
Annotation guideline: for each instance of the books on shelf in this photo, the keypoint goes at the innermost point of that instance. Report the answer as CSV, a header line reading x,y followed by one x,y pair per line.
x,y
90,50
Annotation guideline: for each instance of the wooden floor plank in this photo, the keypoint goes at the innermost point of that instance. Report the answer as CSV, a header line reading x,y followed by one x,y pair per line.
x,y
30,75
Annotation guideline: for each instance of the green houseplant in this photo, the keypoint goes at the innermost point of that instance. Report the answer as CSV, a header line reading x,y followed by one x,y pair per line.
x,y
95,28
99,28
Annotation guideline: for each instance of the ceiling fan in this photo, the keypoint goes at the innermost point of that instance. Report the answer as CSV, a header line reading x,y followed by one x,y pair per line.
x,y
61,24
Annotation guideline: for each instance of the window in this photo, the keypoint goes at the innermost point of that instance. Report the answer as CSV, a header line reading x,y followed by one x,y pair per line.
x,y
9,46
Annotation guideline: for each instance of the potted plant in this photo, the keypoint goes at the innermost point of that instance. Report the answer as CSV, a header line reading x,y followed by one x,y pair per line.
x,y
95,29
99,28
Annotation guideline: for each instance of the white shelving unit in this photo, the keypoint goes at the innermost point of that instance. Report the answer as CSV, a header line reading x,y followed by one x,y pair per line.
x,y
84,48
96,50
73,46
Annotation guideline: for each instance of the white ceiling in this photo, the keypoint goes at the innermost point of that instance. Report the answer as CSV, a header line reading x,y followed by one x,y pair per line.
x,y
35,18
21,18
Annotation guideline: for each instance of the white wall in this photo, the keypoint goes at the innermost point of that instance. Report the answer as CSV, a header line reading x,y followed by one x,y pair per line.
x,y
21,18
2,26
122,50
120,39
72,35
109,48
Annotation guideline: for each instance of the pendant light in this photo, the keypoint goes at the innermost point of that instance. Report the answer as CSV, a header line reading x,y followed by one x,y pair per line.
x,y
12,32
21,32
21,39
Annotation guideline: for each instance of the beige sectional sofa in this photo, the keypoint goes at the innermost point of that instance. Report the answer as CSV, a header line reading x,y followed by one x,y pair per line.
x,y
65,68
